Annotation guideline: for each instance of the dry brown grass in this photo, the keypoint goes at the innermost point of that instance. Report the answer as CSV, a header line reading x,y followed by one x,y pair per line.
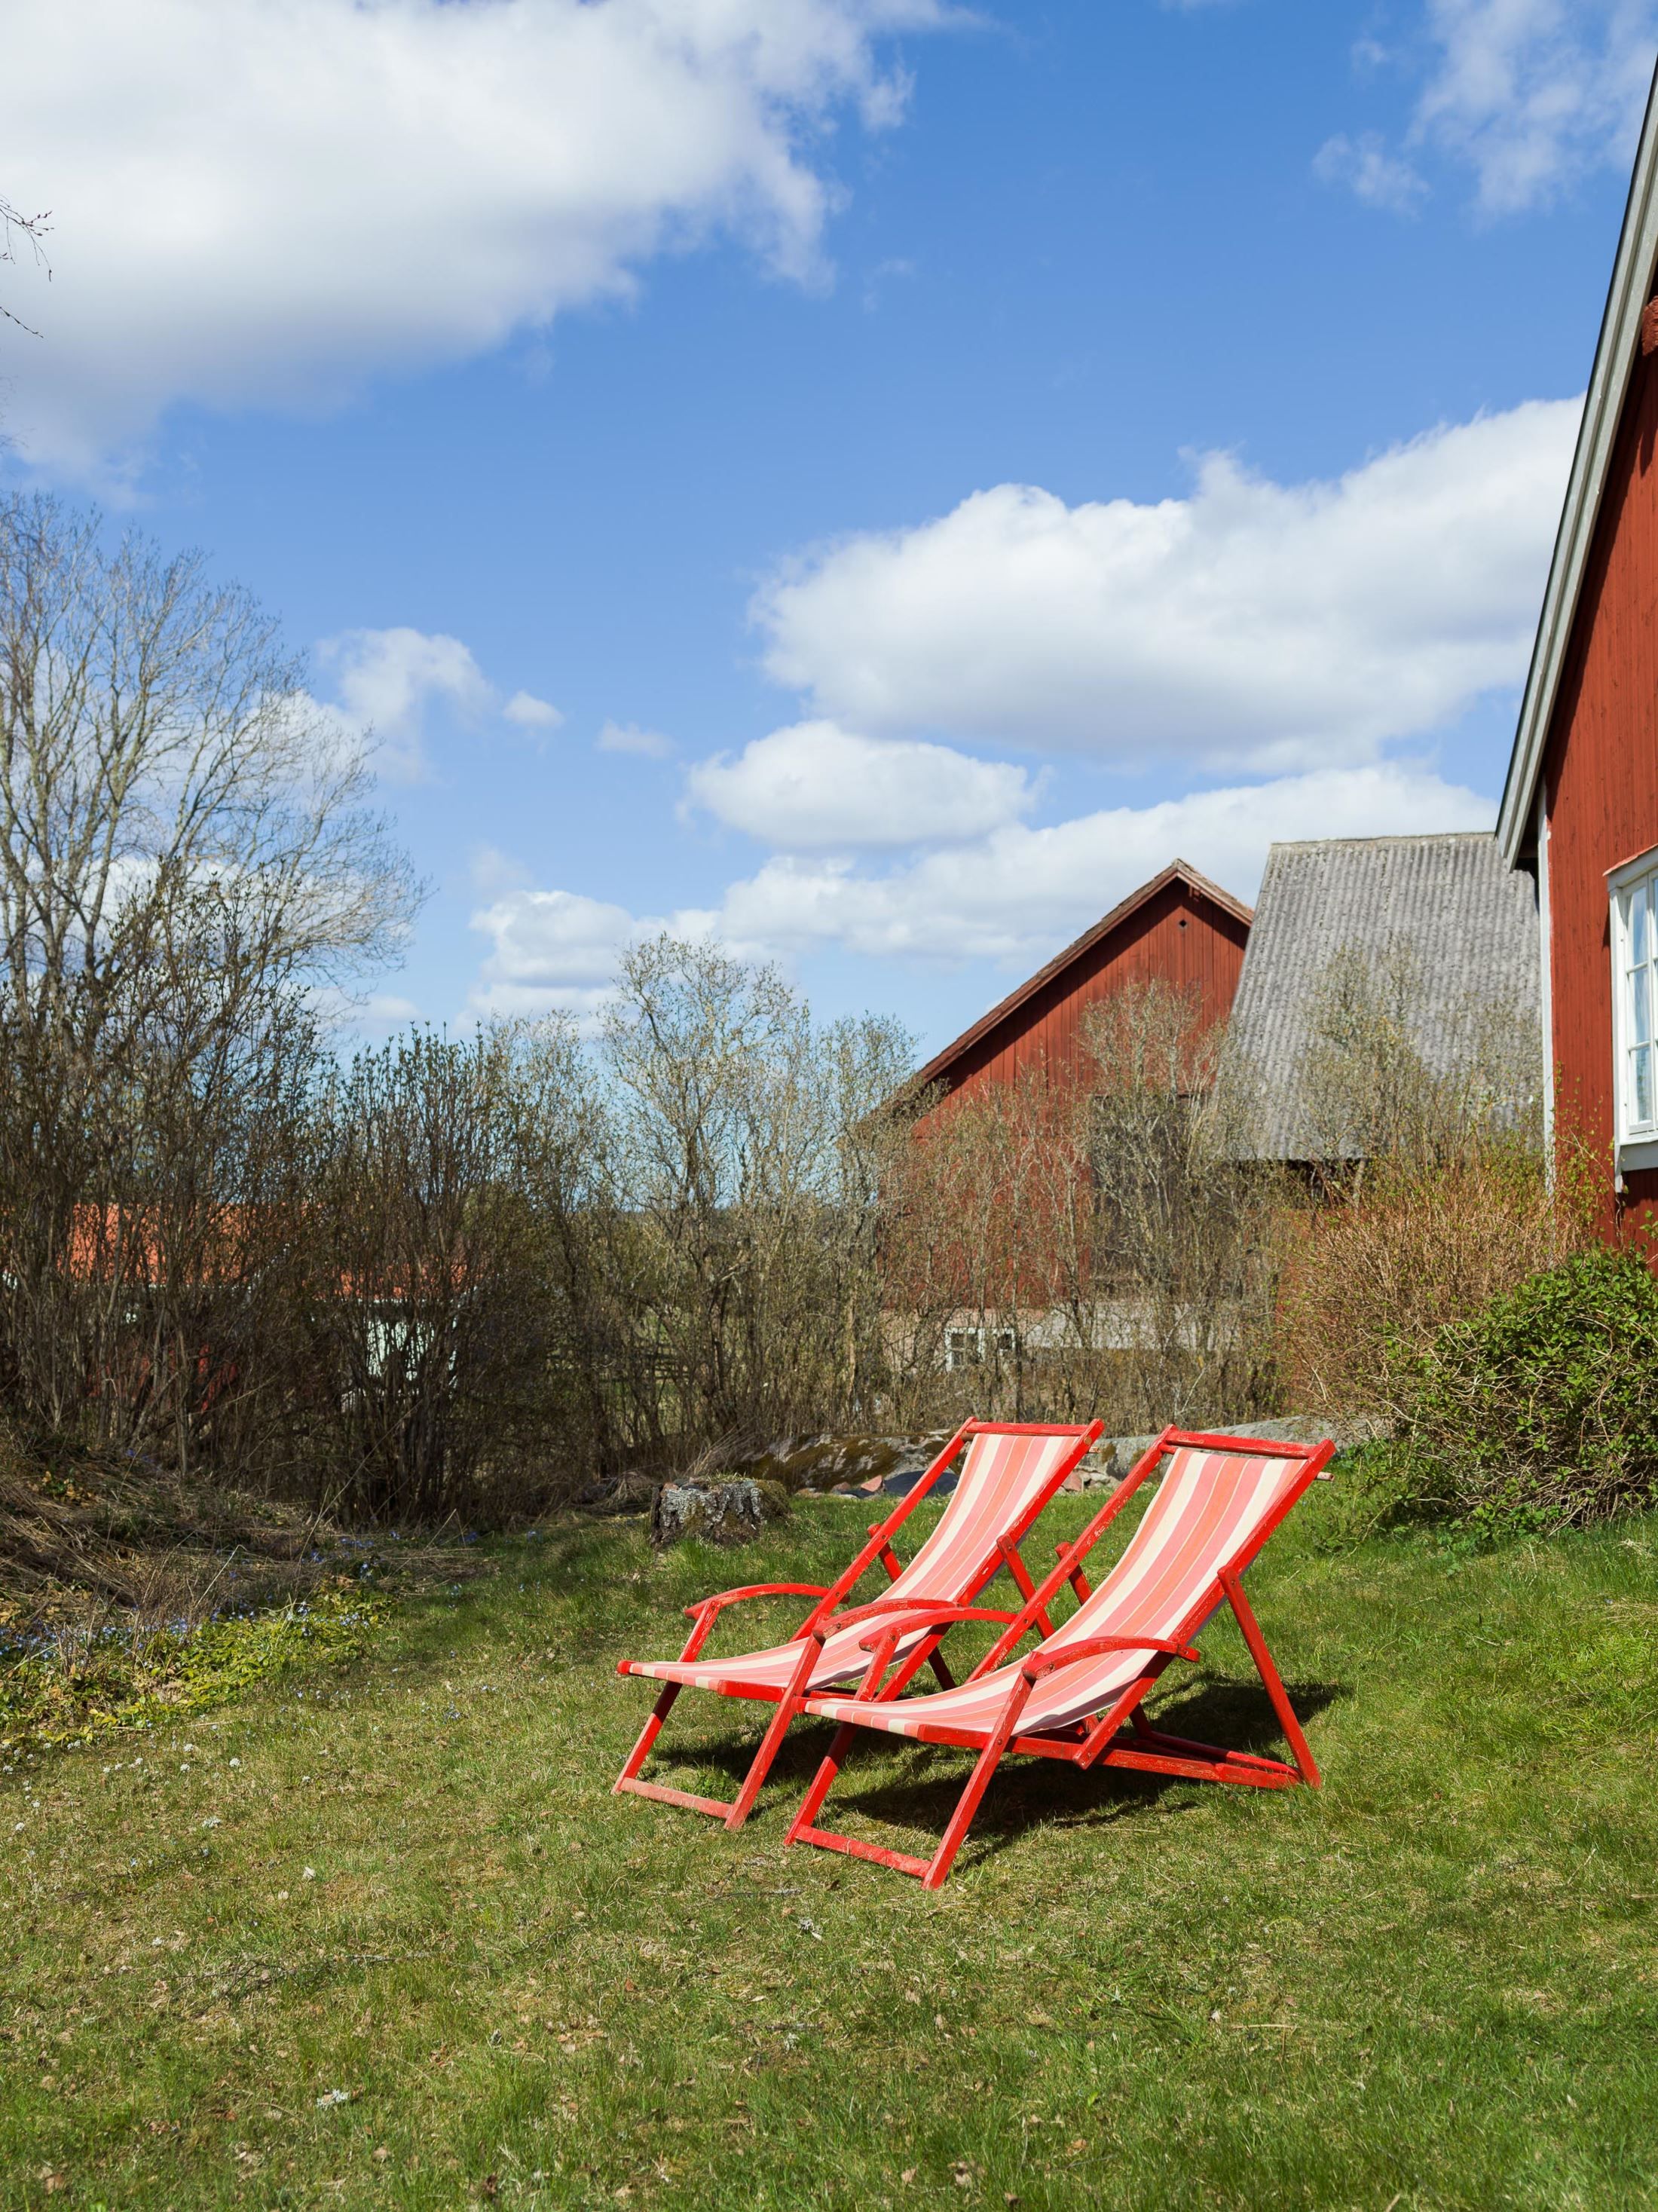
x,y
86,1539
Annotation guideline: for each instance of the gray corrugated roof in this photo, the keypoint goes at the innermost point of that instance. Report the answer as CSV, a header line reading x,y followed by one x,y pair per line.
x,y
1471,921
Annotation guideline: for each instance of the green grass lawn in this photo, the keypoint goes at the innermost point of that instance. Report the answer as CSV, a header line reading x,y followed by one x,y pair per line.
x,y
378,1934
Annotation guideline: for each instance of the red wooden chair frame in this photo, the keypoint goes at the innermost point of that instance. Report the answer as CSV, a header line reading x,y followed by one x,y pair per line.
x,y
1120,1734
826,1619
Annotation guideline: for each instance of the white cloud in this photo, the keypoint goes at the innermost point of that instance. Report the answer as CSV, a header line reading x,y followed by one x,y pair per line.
x,y
628,737
492,872
1529,95
1012,897
1251,624
386,1006
266,203
529,713
1021,893
1532,93
348,1013
1379,178
391,679
388,678
550,949
816,787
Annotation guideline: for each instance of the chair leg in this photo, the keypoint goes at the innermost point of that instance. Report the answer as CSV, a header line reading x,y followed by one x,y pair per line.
x,y
734,1814
962,1819
770,1744
978,1781
931,1872
1306,1765
647,1736
822,1783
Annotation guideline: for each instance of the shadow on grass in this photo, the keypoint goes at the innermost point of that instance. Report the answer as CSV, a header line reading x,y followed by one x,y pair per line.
x,y
1026,1793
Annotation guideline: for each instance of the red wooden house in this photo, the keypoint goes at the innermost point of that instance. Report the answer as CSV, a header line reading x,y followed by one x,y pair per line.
x,y
1179,928
1580,808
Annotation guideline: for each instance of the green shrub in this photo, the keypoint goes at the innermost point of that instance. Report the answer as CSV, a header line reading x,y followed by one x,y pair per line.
x,y
1540,1410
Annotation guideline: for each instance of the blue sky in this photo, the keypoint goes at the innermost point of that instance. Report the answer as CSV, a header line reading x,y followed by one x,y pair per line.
x,y
934,464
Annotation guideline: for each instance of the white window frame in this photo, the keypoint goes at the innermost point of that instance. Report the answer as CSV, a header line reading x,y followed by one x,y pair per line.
x,y
1630,886
966,1345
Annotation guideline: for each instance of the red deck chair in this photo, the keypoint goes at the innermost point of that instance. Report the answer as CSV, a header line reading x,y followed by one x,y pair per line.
x,y
1079,1696
1010,1473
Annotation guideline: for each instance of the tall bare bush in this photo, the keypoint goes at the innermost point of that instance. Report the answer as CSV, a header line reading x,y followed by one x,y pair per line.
x,y
149,1170
746,1172
433,1300
1442,1196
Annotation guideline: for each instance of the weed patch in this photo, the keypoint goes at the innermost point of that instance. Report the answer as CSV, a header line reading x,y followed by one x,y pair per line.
x,y
71,1685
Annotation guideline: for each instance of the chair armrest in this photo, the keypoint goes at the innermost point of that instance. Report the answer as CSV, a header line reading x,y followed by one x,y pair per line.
x,y
912,1616
723,1598
923,1609
1049,1662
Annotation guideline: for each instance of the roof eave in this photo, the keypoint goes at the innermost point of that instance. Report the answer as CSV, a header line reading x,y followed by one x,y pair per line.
x,y
1614,359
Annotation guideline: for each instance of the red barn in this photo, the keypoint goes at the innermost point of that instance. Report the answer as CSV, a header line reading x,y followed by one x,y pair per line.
x,y
1180,929
1580,808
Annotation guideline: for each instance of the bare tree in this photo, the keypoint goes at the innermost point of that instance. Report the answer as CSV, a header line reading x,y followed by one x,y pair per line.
x,y
186,854
33,228
156,741
749,1168
1086,1242
1387,1075
1428,1122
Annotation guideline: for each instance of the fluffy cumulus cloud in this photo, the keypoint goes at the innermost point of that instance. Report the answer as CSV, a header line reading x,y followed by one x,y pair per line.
x,y
1250,624
1010,897
389,682
1529,94
386,680
815,787
266,203
1288,646
1017,895
549,951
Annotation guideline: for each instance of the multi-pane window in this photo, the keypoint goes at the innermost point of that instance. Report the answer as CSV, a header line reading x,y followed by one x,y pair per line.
x,y
1635,947
973,1347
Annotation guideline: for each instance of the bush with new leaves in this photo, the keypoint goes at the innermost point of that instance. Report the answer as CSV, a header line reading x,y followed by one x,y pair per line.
x,y
1540,1409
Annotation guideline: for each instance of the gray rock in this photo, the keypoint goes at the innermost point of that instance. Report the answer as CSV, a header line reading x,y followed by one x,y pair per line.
x,y
1112,1456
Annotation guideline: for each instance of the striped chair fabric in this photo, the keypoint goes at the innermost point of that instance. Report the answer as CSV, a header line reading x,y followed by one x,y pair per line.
x,y
1002,1479
1207,1507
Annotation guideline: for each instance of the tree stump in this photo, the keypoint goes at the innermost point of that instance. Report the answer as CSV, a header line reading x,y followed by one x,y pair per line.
x,y
718,1512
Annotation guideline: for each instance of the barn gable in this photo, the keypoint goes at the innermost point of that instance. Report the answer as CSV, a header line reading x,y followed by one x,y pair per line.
x,y
1180,929
1580,806
1621,353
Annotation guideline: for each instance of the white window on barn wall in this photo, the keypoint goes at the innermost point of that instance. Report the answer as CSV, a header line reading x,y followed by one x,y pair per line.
x,y
1634,890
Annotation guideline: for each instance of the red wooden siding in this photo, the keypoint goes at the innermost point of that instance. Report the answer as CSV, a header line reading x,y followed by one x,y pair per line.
x,y
1600,773
1177,933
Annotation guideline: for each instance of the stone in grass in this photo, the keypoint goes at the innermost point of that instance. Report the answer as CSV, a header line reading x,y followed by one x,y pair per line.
x,y
718,1512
